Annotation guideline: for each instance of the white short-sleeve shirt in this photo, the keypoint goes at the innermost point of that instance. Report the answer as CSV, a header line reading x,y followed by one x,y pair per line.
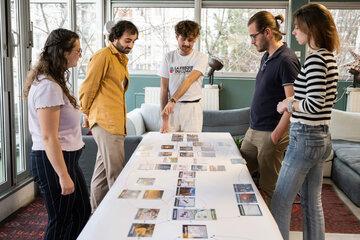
x,y
177,68
46,93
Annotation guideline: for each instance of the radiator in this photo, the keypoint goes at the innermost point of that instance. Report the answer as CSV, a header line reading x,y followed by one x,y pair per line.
x,y
353,99
209,101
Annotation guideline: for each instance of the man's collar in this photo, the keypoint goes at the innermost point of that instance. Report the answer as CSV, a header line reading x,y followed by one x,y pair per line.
x,y
278,51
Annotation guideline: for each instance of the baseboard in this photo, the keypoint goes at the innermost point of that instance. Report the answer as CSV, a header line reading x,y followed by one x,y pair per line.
x,y
16,200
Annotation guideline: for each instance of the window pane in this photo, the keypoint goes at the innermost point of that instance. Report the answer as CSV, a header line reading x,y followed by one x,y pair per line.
x,y
86,28
347,22
156,33
2,159
45,18
19,133
225,35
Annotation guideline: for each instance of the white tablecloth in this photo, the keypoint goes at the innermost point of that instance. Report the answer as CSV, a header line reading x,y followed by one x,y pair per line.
x,y
214,190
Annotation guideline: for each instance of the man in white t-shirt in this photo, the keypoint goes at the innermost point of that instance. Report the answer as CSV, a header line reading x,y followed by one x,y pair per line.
x,y
182,72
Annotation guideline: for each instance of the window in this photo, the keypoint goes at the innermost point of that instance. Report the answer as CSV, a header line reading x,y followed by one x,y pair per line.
x,y
225,35
156,34
348,24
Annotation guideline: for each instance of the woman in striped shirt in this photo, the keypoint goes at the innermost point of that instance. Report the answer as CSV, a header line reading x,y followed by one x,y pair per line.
x,y
310,144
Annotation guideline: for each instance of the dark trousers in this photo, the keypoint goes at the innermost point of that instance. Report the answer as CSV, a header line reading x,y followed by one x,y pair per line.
x,y
67,215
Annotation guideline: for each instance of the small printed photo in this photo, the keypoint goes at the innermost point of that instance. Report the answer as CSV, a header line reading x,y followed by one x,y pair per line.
x,y
183,214
208,154
181,167
147,214
184,202
238,161
177,137
165,154
186,148
163,166
243,187
216,167
186,154
185,191
250,210
207,148
153,194
246,198
197,144
205,214
187,174
167,146
141,230
195,231
170,160
126,193
145,181
184,182
146,166
198,168
189,135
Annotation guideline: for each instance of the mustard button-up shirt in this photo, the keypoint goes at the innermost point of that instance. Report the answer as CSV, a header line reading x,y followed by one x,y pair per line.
x,y
102,94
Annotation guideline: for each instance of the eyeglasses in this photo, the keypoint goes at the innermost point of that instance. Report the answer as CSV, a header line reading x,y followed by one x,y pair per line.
x,y
78,51
253,36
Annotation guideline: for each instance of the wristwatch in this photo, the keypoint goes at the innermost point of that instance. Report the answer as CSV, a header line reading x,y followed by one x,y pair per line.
x,y
172,100
290,106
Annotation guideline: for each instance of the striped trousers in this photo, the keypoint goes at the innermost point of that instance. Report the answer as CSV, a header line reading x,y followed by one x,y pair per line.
x,y
67,215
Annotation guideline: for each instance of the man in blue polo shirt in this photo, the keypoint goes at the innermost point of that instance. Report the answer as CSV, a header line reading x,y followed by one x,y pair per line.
x,y
267,138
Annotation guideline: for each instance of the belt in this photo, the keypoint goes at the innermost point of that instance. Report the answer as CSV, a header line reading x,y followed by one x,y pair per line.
x,y
193,101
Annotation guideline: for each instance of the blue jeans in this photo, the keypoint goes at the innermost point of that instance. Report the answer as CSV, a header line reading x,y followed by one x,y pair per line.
x,y
302,171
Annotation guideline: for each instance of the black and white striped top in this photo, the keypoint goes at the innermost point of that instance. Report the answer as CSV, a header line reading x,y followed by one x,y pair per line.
x,y
316,88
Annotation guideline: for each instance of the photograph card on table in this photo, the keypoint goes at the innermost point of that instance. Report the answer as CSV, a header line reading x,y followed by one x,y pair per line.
x,y
197,144
198,168
185,191
195,231
153,194
147,214
250,210
167,146
186,154
220,168
145,181
187,174
185,148
141,230
184,202
243,187
126,193
246,198
177,137
165,154
184,182
181,167
170,160
192,137
163,167
194,214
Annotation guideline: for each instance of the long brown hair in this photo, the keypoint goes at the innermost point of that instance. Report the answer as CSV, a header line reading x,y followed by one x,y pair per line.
x,y
316,21
265,19
52,62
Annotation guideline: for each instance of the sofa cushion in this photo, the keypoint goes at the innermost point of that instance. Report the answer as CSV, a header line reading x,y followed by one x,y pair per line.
x,y
345,125
349,153
151,116
235,121
135,123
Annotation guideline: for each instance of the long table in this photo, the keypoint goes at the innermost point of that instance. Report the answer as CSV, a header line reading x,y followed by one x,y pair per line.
x,y
209,205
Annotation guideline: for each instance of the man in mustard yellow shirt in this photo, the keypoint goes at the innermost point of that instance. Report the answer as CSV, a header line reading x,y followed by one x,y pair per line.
x,y
102,100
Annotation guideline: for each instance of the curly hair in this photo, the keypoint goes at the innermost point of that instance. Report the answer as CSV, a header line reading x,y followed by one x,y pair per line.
x,y
52,62
120,27
187,29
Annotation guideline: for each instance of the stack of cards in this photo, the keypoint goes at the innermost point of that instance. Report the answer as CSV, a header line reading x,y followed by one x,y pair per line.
x,y
246,200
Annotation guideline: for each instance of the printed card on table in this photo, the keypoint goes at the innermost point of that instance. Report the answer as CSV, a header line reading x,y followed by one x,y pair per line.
x,y
192,137
141,230
147,214
207,148
185,191
246,198
220,168
185,148
243,187
181,167
250,210
177,137
163,166
195,231
194,214
168,146
170,160
183,182
145,181
186,154
187,174
153,194
184,202
197,144
165,154
126,193
198,168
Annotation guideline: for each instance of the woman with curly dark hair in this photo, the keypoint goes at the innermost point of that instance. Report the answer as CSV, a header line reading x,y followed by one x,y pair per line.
x,y
54,124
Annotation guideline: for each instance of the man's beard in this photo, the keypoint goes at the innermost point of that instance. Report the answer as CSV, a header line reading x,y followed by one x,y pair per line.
x,y
122,49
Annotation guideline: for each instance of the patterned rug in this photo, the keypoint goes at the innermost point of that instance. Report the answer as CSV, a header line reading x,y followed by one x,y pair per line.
x,y
28,223
338,217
